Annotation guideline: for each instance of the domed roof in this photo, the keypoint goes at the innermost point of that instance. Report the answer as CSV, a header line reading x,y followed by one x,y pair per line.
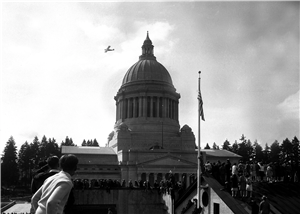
x,y
147,68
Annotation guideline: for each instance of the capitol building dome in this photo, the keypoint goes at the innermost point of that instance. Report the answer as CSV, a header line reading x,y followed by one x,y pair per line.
x,y
147,69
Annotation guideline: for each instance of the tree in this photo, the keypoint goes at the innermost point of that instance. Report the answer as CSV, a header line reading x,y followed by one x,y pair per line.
x,y
84,143
24,163
257,151
207,146
286,149
274,151
235,147
215,146
242,149
266,153
68,142
43,148
295,154
226,145
52,148
9,166
95,143
249,149
35,154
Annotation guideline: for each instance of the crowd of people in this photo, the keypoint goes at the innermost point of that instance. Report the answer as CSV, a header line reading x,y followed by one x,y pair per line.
x,y
237,178
253,171
167,186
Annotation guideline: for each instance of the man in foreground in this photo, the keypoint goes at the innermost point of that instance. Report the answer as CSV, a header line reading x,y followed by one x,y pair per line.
x,y
52,196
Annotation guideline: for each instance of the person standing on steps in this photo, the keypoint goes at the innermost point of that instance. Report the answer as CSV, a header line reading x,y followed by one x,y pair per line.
x,y
264,206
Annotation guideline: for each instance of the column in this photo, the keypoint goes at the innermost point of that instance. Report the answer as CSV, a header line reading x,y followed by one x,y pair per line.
x,y
164,107
157,106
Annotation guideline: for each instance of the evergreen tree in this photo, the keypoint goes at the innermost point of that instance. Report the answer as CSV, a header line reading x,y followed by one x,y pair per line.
x,y
24,164
249,149
235,147
286,149
35,154
207,146
68,142
95,143
266,153
84,143
52,148
257,151
9,166
242,149
274,151
215,146
226,145
43,148
295,154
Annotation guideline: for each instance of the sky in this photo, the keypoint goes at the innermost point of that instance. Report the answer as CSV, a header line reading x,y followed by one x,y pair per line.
x,y
57,81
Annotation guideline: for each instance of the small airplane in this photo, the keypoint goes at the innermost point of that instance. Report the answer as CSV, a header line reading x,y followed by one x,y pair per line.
x,y
108,49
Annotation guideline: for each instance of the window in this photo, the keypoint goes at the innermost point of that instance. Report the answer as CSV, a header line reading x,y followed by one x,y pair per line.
x,y
216,208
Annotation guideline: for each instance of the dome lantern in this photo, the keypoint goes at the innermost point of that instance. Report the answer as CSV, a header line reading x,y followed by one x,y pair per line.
x,y
147,49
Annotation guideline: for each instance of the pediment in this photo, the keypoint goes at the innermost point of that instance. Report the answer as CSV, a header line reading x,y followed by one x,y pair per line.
x,y
169,161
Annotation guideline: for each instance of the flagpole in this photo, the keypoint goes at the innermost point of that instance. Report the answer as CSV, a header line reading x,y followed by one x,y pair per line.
x,y
199,144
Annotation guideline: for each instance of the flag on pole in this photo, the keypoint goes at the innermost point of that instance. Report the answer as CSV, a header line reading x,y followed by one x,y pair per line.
x,y
201,106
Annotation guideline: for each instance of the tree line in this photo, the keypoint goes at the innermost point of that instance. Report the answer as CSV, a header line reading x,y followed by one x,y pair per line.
x,y
18,167
286,152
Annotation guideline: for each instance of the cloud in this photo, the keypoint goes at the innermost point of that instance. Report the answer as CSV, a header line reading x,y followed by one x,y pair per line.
x,y
289,108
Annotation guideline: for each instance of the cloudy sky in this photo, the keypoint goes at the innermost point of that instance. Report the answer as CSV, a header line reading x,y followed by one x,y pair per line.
x,y
57,81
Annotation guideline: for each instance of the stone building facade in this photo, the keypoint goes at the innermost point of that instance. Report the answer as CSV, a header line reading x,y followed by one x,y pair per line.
x,y
147,137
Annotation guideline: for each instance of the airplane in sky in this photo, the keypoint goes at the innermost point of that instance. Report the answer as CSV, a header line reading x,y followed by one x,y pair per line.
x,y
108,49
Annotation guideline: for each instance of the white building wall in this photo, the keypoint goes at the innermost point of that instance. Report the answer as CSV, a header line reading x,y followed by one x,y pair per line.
x,y
214,198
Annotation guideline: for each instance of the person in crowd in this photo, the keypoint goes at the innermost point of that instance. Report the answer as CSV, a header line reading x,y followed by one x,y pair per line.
x,y
253,171
222,173
242,185
234,184
247,168
52,196
228,170
241,168
269,173
208,167
109,211
249,186
52,168
234,169
261,171
264,206
254,206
